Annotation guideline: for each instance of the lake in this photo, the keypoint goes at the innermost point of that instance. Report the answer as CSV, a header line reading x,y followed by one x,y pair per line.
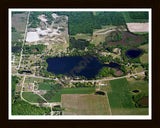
x,y
87,66
133,53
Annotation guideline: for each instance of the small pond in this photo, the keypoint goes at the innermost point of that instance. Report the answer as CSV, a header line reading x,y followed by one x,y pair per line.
x,y
133,53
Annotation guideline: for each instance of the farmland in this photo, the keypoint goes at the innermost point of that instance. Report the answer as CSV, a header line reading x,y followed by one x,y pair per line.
x,y
121,96
84,104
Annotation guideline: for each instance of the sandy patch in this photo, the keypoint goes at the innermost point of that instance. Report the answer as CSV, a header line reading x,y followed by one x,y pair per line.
x,y
42,18
138,27
32,36
54,15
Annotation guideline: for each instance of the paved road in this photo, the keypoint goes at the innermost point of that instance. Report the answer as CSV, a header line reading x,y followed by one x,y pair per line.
x,y
24,40
113,78
104,79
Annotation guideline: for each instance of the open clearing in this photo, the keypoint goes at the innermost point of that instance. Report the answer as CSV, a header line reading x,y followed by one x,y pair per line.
x,y
31,97
84,104
128,39
144,58
32,36
138,27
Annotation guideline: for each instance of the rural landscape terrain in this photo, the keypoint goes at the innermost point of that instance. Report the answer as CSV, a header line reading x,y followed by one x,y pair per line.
x,y
79,63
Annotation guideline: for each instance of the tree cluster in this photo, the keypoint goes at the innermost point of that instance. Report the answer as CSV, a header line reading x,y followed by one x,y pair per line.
x,y
78,44
33,49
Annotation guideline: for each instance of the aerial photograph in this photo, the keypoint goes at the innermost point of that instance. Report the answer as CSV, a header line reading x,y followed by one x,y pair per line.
x,y
79,63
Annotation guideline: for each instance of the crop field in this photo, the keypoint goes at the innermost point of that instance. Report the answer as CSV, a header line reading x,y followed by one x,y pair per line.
x,y
120,96
31,97
18,26
19,21
84,104
55,95
138,27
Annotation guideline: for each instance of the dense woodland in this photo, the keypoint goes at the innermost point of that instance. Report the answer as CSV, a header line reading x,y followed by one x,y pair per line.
x,y
16,46
23,108
79,44
138,15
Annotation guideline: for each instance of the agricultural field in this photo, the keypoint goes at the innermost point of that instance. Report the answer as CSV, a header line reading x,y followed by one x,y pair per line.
x,y
138,27
121,92
84,104
18,25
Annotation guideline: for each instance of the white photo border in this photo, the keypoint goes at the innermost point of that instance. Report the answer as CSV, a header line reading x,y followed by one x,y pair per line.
x,y
82,117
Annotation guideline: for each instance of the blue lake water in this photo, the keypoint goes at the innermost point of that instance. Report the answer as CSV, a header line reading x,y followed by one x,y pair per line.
x,y
87,66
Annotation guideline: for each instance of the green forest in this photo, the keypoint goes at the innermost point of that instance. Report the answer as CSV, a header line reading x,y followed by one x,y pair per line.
x,y
85,22
79,44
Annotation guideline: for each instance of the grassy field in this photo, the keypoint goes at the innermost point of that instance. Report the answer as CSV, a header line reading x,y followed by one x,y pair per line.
x,y
17,35
133,111
144,47
82,36
120,96
140,33
32,79
46,86
55,95
140,85
31,97
84,104
144,58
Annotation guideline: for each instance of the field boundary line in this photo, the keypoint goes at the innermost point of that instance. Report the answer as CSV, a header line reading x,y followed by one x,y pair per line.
x,y
108,103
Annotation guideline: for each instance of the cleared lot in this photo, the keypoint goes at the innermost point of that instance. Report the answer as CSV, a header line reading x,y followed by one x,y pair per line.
x,y
138,27
84,104
32,36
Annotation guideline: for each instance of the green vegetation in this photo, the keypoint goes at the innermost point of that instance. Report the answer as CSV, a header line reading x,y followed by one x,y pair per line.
x,y
124,101
17,35
55,95
33,49
114,36
16,46
14,82
43,86
33,98
105,72
79,44
85,22
120,97
135,17
23,108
